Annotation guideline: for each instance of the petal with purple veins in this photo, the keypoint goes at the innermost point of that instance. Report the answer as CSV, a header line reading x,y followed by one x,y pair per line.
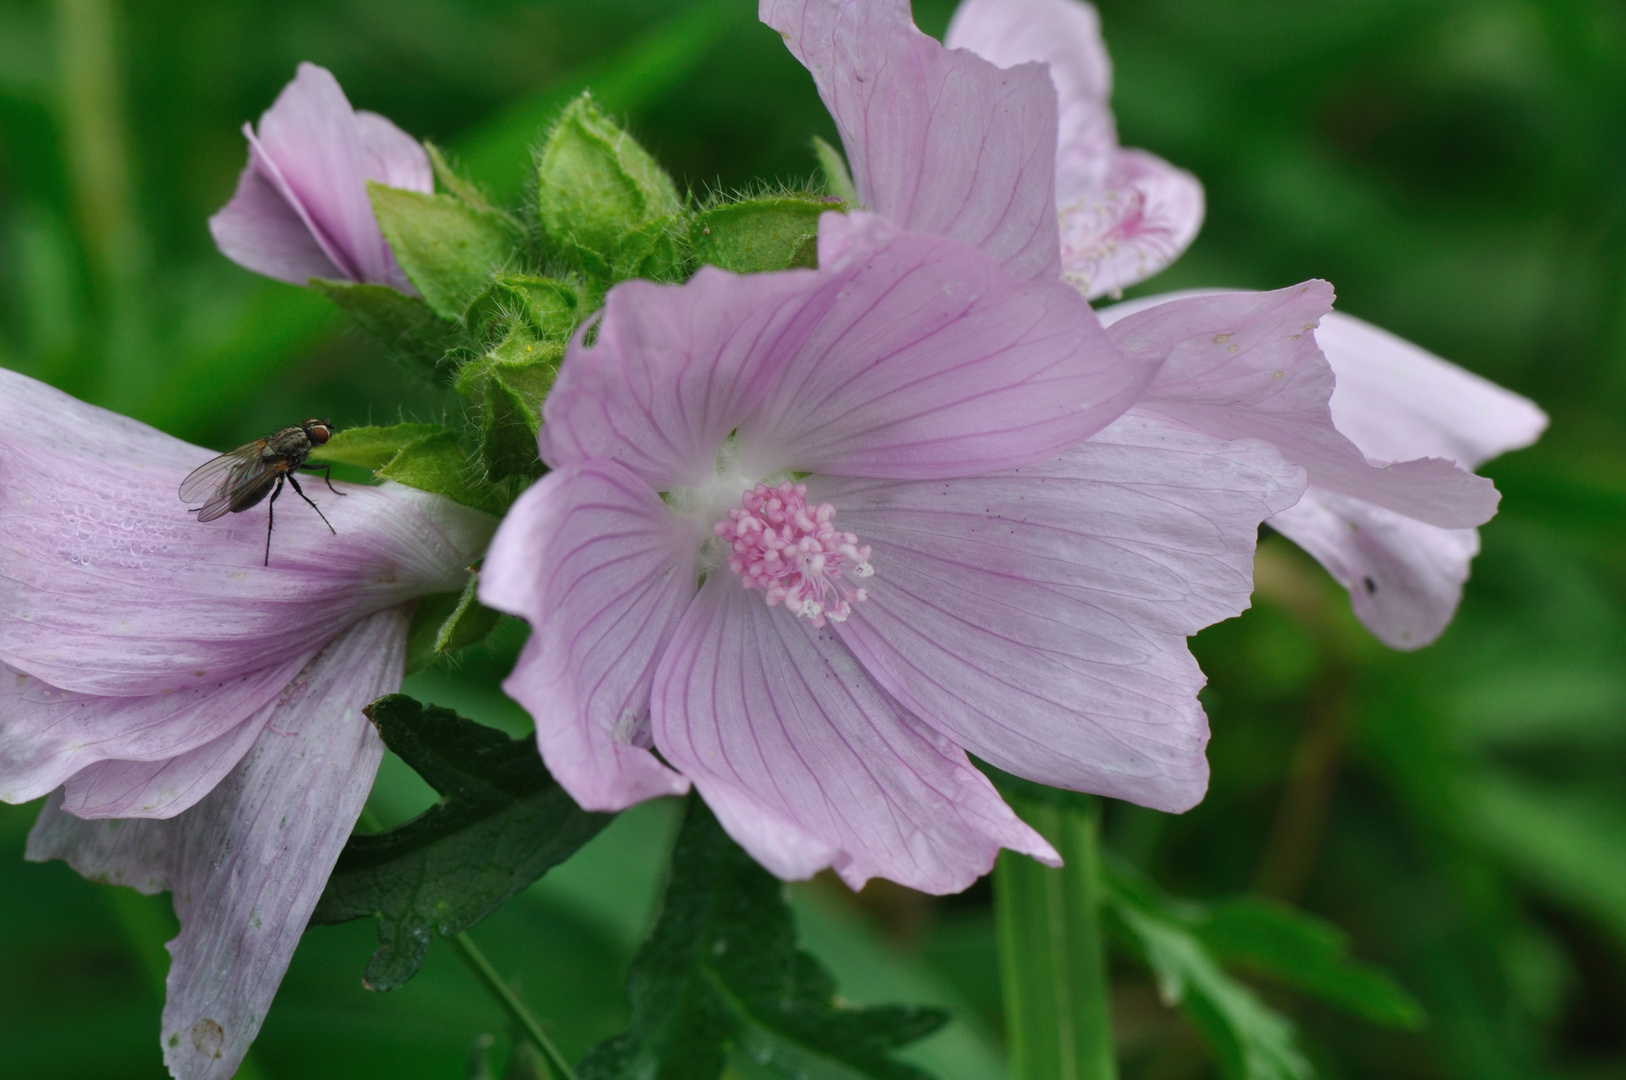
x,y
248,863
927,360
808,763
672,369
1038,617
1247,365
109,587
940,141
603,570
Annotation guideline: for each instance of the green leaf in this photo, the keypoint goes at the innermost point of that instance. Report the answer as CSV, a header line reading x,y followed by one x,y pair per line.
x,y
502,822
402,322
833,170
1307,954
454,185
1249,1040
603,201
447,248
373,447
760,234
720,984
438,463
445,623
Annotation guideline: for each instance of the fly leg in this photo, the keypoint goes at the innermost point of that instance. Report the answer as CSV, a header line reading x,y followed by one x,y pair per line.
x,y
307,498
270,519
327,475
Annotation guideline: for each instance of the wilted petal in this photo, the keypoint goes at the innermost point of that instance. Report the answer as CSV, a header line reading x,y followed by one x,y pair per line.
x,y
928,360
673,369
48,735
108,586
248,863
1404,577
1246,365
807,763
260,230
1039,616
602,569
939,141
1134,224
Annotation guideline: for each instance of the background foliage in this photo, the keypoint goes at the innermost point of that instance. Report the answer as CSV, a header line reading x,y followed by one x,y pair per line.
x,y
1457,168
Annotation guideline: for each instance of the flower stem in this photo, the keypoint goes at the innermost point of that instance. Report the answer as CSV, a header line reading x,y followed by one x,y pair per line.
x,y
1052,958
482,969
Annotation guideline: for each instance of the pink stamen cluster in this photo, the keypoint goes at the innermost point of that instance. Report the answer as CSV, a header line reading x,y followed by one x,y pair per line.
x,y
791,551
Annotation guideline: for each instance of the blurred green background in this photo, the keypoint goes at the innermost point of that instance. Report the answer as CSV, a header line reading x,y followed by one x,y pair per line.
x,y
1456,168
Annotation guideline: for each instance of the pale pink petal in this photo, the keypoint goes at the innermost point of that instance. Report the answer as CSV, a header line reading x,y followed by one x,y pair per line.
x,y
1246,365
1125,214
108,586
260,230
394,158
1134,224
1038,617
671,371
1398,401
164,787
939,141
248,863
928,360
48,735
1066,35
133,853
310,137
1404,577
602,569
807,763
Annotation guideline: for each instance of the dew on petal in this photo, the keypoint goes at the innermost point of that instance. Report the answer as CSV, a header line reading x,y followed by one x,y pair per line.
x,y
794,553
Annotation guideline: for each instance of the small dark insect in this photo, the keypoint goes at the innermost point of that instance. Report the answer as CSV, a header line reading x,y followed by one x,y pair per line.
x,y
241,478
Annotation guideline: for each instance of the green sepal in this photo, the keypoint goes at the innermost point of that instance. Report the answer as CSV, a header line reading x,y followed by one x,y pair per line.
x,y
404,323
438,463
447,248
603,202
373,447
547,307
503,821
506,388
760,234
720,985
453,184
833,171
446,623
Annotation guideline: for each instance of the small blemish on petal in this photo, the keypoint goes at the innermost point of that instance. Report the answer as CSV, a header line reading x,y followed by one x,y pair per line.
x,y
208,1037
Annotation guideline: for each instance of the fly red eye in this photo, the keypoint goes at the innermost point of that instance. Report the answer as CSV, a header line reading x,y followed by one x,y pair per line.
x,y
319,433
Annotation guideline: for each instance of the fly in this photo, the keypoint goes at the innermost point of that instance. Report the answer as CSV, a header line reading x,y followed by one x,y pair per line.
x,y
241,478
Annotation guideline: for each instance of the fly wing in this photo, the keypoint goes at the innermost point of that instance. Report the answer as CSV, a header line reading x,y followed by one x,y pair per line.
x,y
221,482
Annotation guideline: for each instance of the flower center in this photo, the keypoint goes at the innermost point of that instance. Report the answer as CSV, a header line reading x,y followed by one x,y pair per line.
x,y
792,552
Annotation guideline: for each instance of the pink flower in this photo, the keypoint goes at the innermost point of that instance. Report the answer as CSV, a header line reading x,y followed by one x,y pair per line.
x,y
812,535
1390,514
1404,564
301,208
152,670
957,141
